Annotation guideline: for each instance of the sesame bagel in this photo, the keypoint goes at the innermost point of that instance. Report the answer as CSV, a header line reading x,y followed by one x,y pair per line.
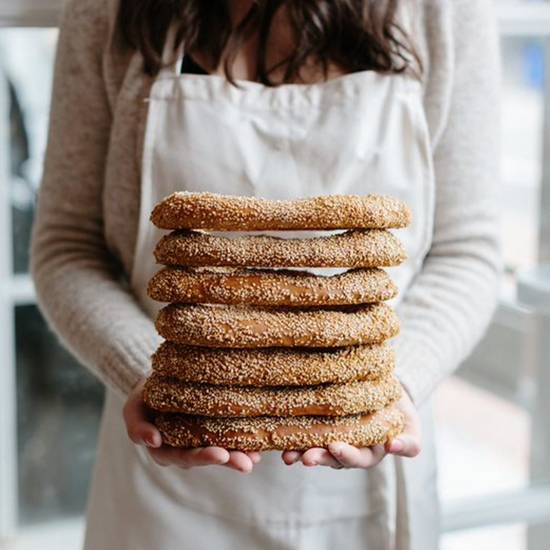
x,y
166,394
296,433
273,366
269,287
359,248
221,213
254,327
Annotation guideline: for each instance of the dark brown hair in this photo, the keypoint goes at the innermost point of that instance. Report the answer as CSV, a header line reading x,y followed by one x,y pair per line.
x,y
355,35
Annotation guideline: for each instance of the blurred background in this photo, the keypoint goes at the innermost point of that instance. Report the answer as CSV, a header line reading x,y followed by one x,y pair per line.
x,y
493,437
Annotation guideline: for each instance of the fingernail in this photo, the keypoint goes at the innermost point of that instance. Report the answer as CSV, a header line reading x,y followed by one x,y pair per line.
x,y
396,446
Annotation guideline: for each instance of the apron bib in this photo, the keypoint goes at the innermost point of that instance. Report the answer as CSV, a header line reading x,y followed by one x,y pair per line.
x,y
356,134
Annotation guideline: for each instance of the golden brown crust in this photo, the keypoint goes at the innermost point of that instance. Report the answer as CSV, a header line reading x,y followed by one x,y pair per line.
x,y
368,248
221,212
249,327
172,395
268,433
270,288
273,366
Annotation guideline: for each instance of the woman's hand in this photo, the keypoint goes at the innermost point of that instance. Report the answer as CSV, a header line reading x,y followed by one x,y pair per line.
x,y
342,455
143,432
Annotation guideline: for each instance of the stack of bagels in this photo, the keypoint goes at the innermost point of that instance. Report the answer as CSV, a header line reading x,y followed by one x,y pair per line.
x,y
259,353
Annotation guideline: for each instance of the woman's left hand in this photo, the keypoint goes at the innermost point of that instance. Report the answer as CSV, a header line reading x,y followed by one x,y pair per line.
x,y
342,455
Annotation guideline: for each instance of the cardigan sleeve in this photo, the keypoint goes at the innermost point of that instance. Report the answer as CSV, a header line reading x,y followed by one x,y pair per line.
x,y
450,303
78,282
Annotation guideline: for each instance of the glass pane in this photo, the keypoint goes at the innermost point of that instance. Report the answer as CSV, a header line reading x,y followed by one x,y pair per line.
x,y
476,458
484,435
522,133
58,402
26,62
58,410
464,440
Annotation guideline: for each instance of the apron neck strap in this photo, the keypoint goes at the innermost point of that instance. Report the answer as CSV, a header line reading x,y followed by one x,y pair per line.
x,y
172,56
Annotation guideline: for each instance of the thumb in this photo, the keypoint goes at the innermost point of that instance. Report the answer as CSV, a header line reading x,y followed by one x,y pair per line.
x,y
407,445
140,430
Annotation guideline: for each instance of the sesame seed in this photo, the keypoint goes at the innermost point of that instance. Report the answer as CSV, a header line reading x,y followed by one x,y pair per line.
x,y
183,210
296,433
358,248
254,327
260,354
256,287
172,395
273,366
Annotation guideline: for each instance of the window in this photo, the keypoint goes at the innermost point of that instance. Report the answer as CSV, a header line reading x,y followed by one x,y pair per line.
x,y
485,413
56,403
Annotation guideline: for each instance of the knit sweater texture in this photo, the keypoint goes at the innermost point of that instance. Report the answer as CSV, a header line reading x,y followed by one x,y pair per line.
x,y
86,226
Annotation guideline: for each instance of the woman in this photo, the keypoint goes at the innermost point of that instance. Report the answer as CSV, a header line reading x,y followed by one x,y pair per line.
x,y
291,98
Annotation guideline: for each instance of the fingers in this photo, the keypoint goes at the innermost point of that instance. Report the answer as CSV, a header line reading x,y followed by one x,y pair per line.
x,y
338,455
409,443
291,457
352,457
320,457
240,462
206,456
255,457
140,430
406,445
189,458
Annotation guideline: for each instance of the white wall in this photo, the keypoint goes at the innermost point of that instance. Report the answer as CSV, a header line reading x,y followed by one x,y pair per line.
x,y
29,13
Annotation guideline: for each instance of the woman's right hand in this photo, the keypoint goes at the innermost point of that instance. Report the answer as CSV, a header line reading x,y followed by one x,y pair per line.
x,y
143,432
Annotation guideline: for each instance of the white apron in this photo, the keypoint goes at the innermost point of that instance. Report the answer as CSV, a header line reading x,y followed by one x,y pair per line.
x,y
357,134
